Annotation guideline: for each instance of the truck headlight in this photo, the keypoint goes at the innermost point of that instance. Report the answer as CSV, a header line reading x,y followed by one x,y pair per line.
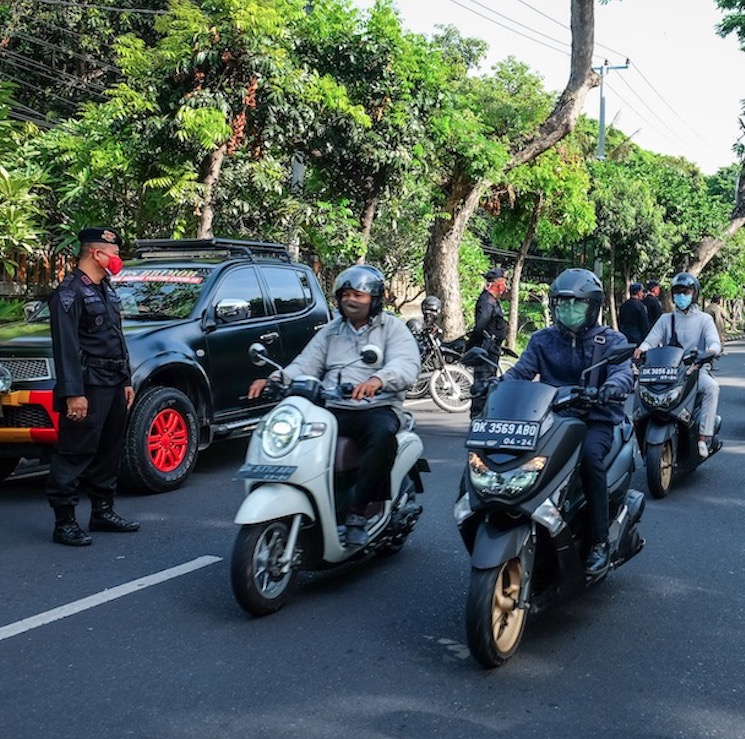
x,y
281,431
487,482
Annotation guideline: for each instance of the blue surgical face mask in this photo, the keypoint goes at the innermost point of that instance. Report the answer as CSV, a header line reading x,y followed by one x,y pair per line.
x,y
682,300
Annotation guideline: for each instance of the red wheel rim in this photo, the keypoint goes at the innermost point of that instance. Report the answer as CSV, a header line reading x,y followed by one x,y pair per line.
x,y
167,440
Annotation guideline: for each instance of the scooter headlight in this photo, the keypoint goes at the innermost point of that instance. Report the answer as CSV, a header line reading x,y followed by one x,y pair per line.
x,y
281,431
509,483
660,400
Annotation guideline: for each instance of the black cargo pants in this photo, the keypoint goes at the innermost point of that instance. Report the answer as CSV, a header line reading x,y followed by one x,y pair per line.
x,y
86,457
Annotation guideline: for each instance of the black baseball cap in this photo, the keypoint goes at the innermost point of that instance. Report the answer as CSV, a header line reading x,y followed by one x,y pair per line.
x,y
99,236
494,274
652,283
635,288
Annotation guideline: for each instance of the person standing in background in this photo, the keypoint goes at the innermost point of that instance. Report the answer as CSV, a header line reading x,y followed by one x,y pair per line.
x,y
632,315
489,331
716,310
652,302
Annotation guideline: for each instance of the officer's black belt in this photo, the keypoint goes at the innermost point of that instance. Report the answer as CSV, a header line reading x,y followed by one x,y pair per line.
x,y
103,362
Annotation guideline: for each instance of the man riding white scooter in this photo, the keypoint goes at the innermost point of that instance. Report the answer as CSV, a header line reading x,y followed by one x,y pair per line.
x,y
372,416
690,328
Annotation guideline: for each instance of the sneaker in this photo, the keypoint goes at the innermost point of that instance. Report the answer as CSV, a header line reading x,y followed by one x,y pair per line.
x,y
597,560
357,535
703,449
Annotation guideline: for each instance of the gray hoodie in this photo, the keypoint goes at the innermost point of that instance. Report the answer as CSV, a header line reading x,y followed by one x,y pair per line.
x,y
329,353
694,330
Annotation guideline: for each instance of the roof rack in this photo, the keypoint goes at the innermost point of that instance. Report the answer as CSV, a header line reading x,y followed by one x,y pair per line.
x,y
209,248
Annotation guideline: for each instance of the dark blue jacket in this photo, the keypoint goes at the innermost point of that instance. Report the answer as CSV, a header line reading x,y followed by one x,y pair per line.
x,y
559,359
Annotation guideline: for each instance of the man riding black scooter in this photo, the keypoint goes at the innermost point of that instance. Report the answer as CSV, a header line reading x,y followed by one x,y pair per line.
x,y
559,354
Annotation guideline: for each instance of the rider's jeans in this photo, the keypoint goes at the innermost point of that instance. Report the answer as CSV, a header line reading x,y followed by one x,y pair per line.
x,y
593,474
709,402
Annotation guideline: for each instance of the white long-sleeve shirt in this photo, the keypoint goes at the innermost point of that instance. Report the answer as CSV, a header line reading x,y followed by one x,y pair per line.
x,y
693,328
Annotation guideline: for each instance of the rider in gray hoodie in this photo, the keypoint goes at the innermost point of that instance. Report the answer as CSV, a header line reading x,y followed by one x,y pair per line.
x,y
690,328
373,414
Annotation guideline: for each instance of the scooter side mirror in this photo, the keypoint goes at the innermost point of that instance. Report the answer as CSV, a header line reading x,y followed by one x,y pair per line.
x,y
620,353
371,354
474,357
258,354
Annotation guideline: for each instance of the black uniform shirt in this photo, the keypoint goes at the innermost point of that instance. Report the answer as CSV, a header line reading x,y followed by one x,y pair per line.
x,y
633,320
489,320
654,308
86,323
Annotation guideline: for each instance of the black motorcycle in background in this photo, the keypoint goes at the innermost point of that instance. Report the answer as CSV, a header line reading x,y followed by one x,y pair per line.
x,y
667,413
521,511
442,375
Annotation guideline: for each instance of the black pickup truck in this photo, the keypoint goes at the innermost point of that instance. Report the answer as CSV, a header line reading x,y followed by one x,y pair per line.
x,y
190,310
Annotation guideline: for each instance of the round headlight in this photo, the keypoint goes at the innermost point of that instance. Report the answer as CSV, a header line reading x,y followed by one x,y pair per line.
x,y
281,430
6,379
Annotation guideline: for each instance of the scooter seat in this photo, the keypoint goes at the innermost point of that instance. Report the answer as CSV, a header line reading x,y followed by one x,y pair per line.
x,y
347,455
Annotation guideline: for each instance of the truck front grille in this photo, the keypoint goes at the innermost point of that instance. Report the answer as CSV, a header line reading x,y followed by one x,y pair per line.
x,y
28,368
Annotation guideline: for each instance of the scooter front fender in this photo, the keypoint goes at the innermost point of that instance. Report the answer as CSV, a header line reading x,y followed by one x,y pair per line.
x,y
493,547
273,501
657,434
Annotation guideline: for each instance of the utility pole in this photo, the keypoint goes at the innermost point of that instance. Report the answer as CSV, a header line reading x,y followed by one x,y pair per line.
x,y
602,70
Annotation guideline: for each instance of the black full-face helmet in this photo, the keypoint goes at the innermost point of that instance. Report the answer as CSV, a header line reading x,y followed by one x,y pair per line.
x,y
575,298
688,281
364,279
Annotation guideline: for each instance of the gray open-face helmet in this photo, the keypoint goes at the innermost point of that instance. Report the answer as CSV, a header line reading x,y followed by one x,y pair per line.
x,y
575,298
365,279
686,280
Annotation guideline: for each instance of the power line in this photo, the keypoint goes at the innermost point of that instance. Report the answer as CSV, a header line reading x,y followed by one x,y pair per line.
x,y
103,7
497,23
44,70
76,55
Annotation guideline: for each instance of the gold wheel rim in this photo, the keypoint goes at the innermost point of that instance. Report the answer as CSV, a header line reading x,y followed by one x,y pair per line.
x,y
507,619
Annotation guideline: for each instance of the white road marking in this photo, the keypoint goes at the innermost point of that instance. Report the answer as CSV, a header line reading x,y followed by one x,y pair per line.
x,y
105,596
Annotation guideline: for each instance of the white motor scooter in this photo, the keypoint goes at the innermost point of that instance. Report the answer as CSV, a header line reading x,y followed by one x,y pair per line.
x,y
298,474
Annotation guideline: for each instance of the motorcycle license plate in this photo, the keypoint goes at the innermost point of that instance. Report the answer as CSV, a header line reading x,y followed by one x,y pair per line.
x,y
649,375
492,433
273,472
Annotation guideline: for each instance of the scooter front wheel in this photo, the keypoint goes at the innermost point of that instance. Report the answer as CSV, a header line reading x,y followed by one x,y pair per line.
x,y
259,584
659,462
494,623
450,388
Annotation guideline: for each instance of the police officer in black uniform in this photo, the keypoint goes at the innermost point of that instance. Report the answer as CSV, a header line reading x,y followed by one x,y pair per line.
x,y
93,391
489,331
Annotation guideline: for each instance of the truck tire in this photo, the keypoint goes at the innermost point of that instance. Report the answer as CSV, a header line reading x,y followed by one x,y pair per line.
x,y
160,449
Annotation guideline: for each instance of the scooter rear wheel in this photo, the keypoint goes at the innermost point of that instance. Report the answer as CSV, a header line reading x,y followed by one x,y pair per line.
x,y
659,462
258,583
494,623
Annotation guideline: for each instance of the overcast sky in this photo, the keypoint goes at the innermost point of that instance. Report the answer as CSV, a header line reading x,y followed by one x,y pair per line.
x,y
681,94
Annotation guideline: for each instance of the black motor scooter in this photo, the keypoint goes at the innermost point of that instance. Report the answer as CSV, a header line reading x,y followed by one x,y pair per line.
x,y
667,412
521,510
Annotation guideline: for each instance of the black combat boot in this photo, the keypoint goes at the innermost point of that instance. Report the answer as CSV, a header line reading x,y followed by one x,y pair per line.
x,y
66,529
105,518
597,560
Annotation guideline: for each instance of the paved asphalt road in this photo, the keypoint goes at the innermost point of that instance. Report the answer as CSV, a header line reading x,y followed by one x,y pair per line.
x,y
376,649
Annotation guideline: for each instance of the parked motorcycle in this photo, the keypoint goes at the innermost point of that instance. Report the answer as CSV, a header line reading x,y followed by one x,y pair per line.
x,y
298,475
667,414
521,510
442,376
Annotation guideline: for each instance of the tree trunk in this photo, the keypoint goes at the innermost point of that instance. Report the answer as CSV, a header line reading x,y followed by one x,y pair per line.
x,y
209,175
709,246
517,271
368,214
441,259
